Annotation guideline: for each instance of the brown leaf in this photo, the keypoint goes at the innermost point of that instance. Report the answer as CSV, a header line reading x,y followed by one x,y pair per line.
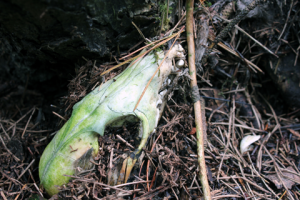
x,y
193,131
289,183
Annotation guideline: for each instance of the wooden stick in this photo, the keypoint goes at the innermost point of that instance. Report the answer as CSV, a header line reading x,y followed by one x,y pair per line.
x,y
138,56
197,106
28,122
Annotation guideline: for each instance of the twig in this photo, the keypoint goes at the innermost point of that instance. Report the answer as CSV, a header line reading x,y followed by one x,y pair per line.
x,y
229,187
10,178
237,125
4,131
19,119
58,115
140,55
3,143
227,196
44,138
197,105
238,186
295,133
28,122
148,163
140,32
287,18
20,191
37,188
174,193
228,136
127,143
140,49
277,172
26,169
273,112
236,54
3,195
116,187
132,183
252,38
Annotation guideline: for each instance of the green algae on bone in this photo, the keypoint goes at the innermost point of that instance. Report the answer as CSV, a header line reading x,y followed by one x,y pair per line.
x,y
109,104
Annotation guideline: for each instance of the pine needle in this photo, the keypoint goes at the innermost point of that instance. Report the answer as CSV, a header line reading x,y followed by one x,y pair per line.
x,y
157,69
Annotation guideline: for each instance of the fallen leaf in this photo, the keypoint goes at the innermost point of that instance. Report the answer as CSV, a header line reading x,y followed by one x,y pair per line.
x,y
288,183
193,131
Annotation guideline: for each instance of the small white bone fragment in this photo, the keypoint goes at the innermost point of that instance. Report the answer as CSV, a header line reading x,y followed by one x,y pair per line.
x,y
247,141
180,63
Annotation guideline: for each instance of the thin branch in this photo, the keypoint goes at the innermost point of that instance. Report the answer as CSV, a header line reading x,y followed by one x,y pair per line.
x,y
287,18
197,105
3,143
28,122
252,38
138,56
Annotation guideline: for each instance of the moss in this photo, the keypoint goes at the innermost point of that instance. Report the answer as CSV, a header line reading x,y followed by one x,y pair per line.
x,y
164,11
